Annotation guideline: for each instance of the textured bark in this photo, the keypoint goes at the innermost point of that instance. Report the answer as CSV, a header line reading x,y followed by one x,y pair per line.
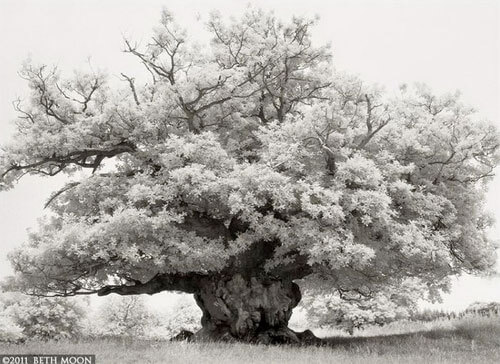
x,y
188,283
251,309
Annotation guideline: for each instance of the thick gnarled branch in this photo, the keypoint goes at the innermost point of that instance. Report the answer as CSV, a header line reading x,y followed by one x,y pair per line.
x,y
79,158
188,283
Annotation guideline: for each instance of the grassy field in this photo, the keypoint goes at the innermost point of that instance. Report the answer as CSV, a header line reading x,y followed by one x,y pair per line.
x,y
469,340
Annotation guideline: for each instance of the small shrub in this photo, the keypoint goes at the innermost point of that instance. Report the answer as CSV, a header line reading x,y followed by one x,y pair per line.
x,y
123,317
185,315
42,318
9,330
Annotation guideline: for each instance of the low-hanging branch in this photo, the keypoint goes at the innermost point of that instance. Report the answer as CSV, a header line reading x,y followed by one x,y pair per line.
x,y
186,283
76,157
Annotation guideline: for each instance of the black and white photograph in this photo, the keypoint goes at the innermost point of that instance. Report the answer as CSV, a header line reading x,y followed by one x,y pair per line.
x,y
225,181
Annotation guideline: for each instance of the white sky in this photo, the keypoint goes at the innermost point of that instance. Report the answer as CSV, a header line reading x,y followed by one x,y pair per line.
x,y
449,45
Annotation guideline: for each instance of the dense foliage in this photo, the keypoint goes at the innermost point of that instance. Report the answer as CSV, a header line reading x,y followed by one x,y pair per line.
x,y
25,317
9,330
250,155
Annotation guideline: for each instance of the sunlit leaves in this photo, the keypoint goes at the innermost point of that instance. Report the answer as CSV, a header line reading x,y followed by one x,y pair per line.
x,y
251,139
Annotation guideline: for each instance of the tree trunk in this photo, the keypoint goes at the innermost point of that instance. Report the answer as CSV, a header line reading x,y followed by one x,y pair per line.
x,y
252,309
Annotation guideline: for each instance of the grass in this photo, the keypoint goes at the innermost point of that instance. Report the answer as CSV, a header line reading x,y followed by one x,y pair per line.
x,y
469,340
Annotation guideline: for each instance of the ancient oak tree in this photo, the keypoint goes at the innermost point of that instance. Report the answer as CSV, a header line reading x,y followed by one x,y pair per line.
x,y
243,168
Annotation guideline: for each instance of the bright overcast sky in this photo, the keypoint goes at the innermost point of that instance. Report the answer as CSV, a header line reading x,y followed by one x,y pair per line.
x,y
449,45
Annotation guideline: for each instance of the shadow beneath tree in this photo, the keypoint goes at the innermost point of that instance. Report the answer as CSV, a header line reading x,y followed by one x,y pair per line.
x,y
390,339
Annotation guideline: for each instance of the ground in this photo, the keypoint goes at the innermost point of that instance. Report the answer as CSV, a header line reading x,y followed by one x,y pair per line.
x,y
469,340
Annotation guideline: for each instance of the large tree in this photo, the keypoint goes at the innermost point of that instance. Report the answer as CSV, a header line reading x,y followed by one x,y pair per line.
x,y
239,169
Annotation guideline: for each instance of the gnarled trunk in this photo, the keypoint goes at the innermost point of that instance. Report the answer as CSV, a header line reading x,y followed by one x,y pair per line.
x,y
253,309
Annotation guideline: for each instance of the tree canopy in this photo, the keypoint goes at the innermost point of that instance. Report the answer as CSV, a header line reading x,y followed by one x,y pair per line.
x,y
252,156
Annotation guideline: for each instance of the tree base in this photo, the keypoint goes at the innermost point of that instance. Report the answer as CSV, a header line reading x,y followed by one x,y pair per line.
x,y
249,309
283,336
